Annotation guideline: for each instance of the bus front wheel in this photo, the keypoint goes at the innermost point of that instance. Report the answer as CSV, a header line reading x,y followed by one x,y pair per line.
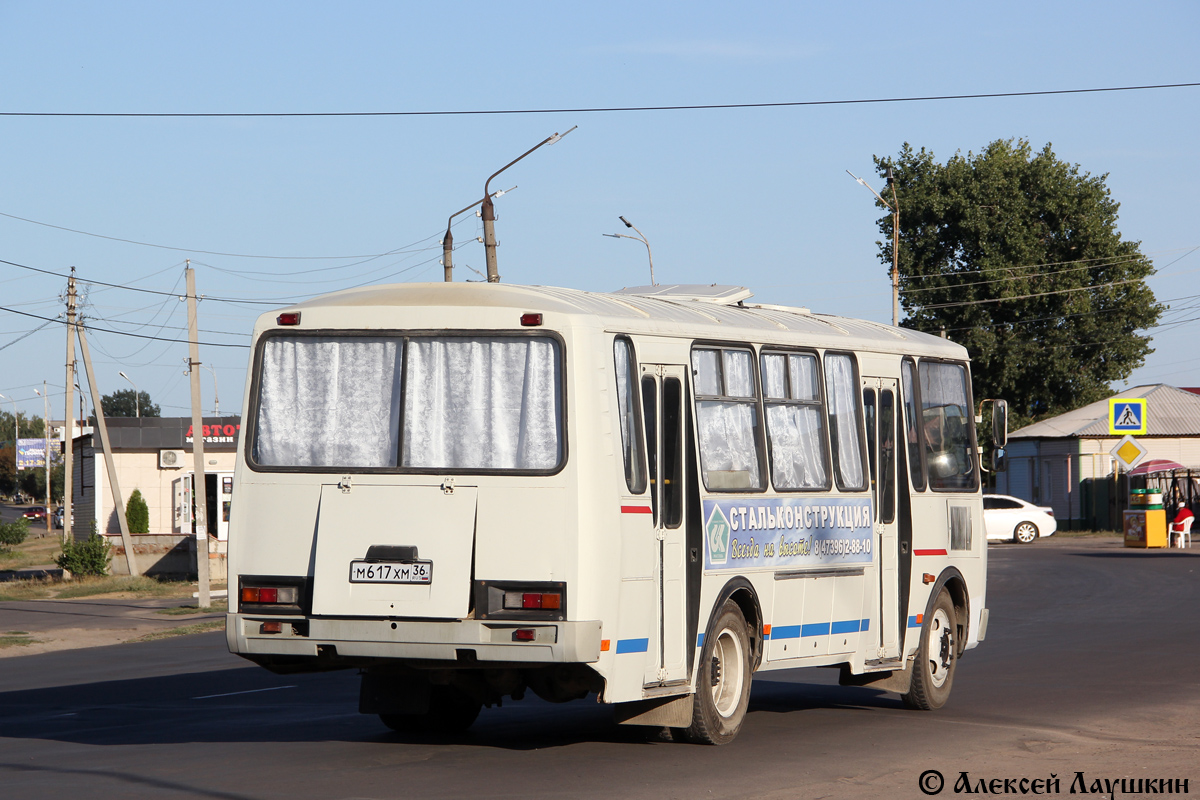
x,y
937,656
723,680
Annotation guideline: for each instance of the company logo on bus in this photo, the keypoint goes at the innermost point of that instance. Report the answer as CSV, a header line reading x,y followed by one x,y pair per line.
x,y
718,537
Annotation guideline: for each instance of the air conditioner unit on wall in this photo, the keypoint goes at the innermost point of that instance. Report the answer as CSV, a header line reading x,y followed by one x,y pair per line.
x,y
171,459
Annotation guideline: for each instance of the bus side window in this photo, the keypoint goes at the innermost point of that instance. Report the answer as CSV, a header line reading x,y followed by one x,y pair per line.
x,y
841,394
727,419
795,429
869,413
915,473
650,419
672,455
887,456
631,438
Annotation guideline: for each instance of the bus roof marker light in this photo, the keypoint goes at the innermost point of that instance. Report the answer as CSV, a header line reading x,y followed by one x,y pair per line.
x,y
288,318
531,320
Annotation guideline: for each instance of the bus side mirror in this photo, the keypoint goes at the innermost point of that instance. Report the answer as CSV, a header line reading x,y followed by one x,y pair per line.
x,y
1000,423
999,460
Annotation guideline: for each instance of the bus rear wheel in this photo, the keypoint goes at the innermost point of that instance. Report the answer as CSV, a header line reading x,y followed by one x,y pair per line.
x,y
723,680
451,711
937,656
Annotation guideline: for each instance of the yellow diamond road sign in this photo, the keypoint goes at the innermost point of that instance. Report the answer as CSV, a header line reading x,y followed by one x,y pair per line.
x,y
1129,452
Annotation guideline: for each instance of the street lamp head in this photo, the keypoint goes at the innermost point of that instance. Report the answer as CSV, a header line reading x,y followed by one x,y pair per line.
x,y
628,224
890,179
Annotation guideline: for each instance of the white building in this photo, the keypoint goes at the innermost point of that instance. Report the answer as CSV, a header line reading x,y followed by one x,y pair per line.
x,y
154,456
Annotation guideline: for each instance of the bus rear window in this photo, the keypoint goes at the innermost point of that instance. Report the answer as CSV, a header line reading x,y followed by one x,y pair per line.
x,y
449,403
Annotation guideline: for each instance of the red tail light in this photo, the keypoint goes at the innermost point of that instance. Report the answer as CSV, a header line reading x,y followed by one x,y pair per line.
x,y
540,600
288,318
524,635
285,595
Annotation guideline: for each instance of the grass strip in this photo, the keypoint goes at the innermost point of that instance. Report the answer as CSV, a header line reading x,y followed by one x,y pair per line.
x,y
16,641
186,630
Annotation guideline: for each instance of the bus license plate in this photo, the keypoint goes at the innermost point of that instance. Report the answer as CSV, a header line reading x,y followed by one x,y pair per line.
x,y
391,572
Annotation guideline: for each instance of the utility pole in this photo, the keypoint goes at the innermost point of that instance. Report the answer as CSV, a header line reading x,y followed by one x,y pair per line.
x,y
489,211
893,207
199,488
102,427
448,239
68,417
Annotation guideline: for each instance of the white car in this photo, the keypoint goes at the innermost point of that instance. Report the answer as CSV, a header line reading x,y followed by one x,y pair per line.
x,y
1011,518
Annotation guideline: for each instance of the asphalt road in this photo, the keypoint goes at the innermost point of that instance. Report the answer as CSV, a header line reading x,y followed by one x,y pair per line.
x,y
1090,666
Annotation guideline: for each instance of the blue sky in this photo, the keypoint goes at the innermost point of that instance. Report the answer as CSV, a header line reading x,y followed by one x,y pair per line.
x,y
757,197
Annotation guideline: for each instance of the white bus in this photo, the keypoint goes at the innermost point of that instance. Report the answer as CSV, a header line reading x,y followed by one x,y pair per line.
x,y
468,491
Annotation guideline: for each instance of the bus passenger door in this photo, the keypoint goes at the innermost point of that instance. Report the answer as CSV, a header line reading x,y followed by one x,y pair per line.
x,y
664,416
879,404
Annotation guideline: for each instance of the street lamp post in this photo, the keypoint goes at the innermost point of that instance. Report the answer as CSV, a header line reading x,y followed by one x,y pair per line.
x,y
639,238
137,395
448,239
488,212
893,207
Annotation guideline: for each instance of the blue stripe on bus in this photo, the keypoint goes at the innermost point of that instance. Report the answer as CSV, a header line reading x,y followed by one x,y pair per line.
x,y
785,632
632,645
797,631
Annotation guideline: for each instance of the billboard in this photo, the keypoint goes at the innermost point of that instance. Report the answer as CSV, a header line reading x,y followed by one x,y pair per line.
x,y
31,453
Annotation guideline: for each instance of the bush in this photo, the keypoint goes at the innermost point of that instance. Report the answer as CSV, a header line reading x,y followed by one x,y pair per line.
x,y
137,513
13,533
90,557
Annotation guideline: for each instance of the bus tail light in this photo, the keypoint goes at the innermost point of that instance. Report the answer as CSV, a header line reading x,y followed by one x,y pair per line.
x,y
540,600
524,635
531,320
271,595
528,600
288,318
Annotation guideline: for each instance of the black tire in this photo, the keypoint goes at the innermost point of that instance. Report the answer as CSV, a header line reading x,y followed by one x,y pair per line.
x,y
722,680
937,657
451,712
1025,533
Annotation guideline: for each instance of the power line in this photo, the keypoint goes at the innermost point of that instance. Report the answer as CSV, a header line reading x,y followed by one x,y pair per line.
x,y
586,109
121,333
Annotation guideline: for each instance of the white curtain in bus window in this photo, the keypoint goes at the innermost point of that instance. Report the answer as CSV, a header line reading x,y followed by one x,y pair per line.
x,y
794,421
842,395
482,403
626,404
727,426
328,402
947,423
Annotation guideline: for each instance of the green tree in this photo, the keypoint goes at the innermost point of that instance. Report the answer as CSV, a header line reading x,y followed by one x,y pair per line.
x,y
1016,255
127,403
137,513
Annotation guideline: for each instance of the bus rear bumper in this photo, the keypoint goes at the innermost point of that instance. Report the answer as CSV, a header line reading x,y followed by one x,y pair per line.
x,y
453,640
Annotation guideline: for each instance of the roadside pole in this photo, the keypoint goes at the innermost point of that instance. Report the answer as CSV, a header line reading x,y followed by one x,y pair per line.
x,y
69,416
199,488
102,427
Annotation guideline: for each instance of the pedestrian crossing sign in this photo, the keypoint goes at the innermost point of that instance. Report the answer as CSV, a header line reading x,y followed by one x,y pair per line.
x,y
1127,415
